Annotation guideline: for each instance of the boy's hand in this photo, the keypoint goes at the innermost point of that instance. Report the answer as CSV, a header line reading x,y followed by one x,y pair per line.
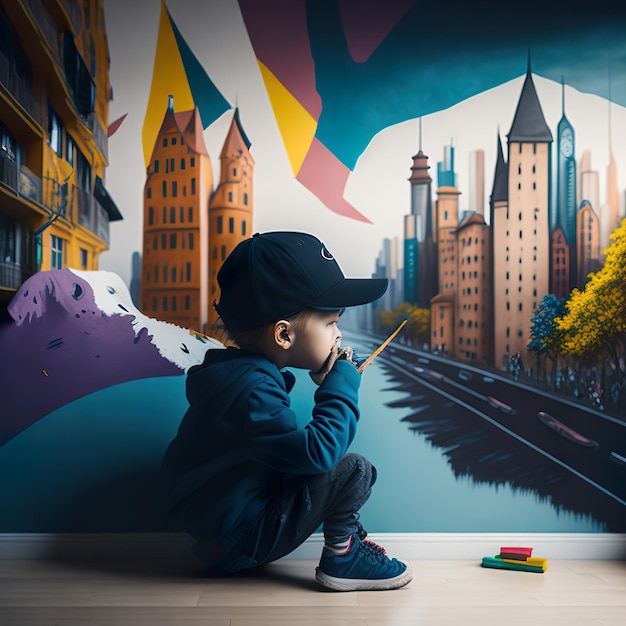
x,y
335,355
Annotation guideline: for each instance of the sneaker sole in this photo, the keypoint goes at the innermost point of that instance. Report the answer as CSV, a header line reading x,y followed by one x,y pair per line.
x,y
364,584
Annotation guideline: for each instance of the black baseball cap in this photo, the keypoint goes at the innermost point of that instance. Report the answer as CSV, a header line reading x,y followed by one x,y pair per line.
x,y
275,275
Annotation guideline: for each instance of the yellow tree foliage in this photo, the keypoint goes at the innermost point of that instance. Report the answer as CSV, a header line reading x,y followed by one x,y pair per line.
x,y
596,316
418,322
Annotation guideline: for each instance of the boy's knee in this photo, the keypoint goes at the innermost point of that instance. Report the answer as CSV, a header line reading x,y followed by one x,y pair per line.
x,y
361,465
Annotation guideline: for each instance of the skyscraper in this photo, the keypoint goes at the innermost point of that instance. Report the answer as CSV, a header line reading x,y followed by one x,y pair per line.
x,y
565,214
422,212
476,186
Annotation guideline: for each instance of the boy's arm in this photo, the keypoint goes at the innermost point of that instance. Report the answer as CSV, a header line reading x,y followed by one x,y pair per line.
x,y
278,442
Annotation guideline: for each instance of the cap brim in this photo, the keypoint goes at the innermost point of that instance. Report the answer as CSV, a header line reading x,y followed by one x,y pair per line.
x,y
352,292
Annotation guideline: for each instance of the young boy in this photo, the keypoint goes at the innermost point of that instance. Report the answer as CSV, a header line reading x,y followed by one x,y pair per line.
x,y
241,476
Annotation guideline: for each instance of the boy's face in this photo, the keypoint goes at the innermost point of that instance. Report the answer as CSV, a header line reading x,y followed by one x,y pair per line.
x,y
314,341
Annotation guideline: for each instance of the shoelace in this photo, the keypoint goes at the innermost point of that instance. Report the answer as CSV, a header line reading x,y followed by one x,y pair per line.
x,y
373,552
374,545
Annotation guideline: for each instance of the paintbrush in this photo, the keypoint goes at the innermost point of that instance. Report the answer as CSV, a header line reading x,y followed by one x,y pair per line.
x,y
380,348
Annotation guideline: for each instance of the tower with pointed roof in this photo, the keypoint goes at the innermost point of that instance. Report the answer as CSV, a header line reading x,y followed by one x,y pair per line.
x,y
231,206
521,226
179,182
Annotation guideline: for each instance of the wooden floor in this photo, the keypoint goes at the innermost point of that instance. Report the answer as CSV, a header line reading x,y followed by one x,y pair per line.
x,y
153,592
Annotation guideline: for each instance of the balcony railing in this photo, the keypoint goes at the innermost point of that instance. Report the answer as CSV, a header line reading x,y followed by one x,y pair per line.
x,y
8,171
99,133
30,185
24,182
47,26
91,215
55,198
19,88
12,275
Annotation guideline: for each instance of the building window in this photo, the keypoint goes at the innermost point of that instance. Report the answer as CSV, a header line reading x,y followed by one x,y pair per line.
x,y
84,257
163,241
191,241
150,216
83,172
182,164
172,215
173,241
187,303
156,166
174,189
230,196
245,199
231,225
55,131
190,214
220,224
165,142
188,276
164,189
69,150
56,250
243,228
193,186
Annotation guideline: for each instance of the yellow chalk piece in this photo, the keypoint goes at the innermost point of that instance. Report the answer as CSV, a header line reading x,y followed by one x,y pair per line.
x,y
535,561
45,373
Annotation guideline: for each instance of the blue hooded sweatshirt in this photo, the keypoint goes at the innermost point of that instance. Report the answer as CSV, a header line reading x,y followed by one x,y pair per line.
x,y
239,440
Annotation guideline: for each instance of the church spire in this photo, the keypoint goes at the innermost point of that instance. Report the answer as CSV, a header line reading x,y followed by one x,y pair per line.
x,y
529,123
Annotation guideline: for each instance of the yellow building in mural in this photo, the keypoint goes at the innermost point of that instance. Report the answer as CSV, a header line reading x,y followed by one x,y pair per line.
x,y
189,228
54,98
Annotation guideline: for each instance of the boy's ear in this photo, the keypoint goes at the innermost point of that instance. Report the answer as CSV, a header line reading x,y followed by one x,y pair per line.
x,y
282,334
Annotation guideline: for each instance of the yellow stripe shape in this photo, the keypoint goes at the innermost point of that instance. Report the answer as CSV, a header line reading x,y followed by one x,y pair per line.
x,y
168,78
296,125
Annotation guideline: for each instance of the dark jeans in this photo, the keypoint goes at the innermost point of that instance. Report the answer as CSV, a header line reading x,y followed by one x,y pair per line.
x,y
330,500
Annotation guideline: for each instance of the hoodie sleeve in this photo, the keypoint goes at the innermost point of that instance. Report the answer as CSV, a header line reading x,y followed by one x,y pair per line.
x,y
277,441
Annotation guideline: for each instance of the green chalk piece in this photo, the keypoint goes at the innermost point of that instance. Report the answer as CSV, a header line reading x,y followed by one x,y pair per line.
x,y
497,563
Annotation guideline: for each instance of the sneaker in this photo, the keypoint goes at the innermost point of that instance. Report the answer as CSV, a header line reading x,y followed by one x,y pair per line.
x,y
364,567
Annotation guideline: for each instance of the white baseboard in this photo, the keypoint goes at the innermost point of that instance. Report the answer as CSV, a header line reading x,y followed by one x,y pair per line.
x,y
409,546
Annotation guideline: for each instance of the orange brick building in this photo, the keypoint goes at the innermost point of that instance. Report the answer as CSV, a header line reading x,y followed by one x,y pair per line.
x,y
188,227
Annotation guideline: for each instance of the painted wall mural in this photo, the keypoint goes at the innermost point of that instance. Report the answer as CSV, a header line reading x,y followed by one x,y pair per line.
x,y
502,403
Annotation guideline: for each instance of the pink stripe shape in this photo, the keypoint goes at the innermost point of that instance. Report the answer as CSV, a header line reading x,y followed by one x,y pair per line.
x,y
326,177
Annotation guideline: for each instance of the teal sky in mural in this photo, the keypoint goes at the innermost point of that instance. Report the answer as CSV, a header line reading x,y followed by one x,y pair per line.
x,y
442,53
